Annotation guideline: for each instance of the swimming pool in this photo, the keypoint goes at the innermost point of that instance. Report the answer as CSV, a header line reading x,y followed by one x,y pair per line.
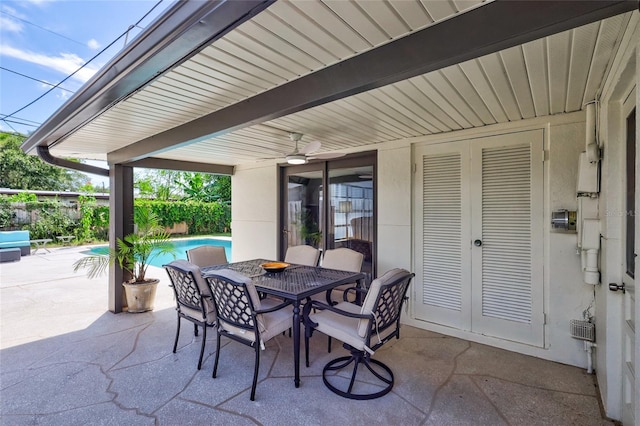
x,y
182,245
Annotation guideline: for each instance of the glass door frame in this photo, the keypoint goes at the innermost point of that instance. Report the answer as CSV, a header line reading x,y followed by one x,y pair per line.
x,y
362,159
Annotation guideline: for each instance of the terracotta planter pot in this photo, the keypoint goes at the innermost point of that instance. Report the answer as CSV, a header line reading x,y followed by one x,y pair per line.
x,y
141,296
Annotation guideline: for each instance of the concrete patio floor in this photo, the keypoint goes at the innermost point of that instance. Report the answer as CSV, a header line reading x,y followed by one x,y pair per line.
x,y
64,359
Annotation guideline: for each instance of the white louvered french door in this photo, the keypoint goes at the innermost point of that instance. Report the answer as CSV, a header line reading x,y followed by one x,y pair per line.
x,y
479,242
506,216
443,261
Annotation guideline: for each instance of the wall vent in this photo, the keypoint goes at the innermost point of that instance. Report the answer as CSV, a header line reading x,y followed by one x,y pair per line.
x,y
583,330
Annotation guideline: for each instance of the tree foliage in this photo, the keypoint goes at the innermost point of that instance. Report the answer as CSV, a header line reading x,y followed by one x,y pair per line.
x,y
205,187
158,184
186,186
222,188
21,171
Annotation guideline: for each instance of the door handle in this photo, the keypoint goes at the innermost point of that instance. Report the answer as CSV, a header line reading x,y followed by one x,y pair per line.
x,y
616,287
477,243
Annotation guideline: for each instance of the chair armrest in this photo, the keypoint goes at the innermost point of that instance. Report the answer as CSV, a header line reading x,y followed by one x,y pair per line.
x,y
355,290
272,309
323,306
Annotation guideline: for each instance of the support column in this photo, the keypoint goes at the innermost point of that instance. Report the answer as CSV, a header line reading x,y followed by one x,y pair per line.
x,y
120,224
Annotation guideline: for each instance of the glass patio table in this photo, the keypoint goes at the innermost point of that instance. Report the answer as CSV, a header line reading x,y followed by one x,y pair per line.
x,y
296,283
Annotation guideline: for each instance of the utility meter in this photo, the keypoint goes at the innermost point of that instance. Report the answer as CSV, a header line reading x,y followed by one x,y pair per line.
x,y
564,220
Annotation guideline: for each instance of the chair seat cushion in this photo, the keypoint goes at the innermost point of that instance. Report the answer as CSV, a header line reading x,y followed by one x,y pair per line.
x,y
274,323
197,313
345,328
203,287
339,326
269,324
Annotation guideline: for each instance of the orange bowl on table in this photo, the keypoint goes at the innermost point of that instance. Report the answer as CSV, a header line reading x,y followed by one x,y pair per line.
x,y
274,266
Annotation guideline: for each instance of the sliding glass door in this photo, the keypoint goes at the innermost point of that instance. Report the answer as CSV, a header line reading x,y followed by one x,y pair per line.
x,y
331,204
302,207
352,212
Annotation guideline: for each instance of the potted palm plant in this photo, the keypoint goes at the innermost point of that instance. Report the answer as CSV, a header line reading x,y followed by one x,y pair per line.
x,y
133,254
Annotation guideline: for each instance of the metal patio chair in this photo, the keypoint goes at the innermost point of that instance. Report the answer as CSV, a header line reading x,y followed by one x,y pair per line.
x,y
363,329
344,259
207,256
193,298
302,255
243,317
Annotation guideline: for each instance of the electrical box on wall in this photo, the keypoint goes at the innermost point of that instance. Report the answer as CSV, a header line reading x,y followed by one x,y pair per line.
x,y
588,179
564,220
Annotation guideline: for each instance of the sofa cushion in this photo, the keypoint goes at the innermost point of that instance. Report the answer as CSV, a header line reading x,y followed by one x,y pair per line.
x,y
11,244
13,236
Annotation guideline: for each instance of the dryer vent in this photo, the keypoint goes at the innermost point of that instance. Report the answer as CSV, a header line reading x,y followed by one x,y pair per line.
x,y
583,330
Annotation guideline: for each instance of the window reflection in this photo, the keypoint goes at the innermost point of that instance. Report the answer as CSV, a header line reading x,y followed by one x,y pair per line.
x,y
351,200
304,209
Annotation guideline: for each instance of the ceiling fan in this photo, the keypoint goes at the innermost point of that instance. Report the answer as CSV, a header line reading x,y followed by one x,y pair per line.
x,y
306,153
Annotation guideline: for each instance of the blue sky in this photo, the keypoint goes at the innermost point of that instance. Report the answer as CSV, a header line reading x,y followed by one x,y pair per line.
x,y
44,41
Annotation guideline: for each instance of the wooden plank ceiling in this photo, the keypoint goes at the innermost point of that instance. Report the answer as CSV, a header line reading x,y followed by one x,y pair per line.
x,y
553,75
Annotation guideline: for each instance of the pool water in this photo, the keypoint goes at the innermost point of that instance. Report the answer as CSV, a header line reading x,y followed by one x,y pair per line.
x,y
182,245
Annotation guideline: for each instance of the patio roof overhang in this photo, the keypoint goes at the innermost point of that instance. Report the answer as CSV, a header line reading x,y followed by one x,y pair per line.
x,y
216,77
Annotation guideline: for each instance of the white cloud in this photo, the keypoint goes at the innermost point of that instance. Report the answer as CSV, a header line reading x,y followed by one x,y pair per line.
x,y
65,63
8,24
40,2
63,95
11,11
93,44
67,88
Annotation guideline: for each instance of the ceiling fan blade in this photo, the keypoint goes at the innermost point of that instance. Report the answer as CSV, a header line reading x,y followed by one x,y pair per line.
x,y
312,146
326,155
277,154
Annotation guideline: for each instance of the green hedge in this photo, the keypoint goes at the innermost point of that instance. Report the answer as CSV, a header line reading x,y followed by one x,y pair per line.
x,y
200,217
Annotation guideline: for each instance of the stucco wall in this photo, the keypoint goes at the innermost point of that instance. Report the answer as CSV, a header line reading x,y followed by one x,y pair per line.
x,y
394,207
566,294
254,212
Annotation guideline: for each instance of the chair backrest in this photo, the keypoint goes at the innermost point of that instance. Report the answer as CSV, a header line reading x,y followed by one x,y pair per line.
x,y
384,300
362,227
343,259
302,255
236,298
188,285
207,256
